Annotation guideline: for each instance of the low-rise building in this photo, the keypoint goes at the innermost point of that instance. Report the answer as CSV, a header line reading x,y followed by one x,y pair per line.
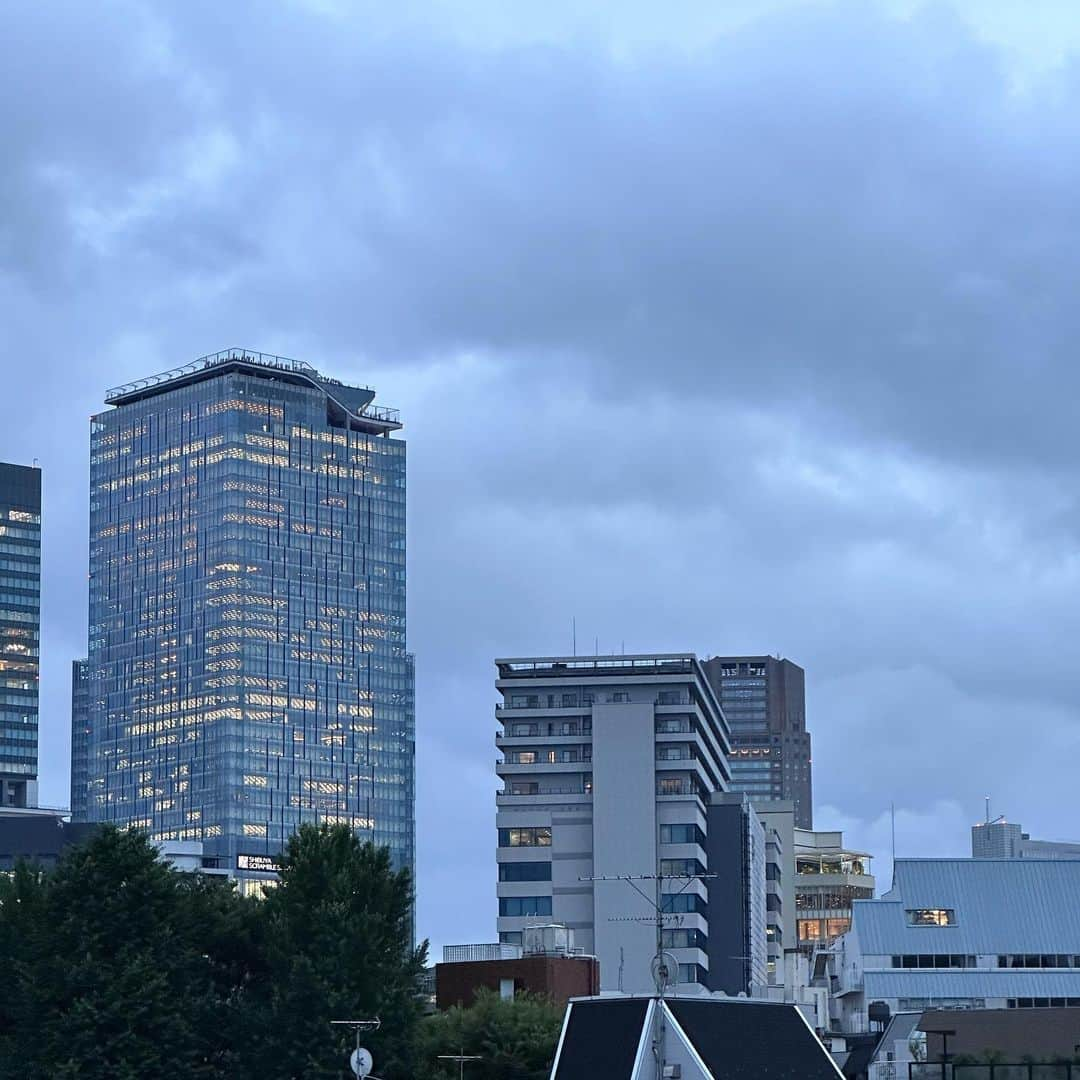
x,y
548,963
963,934
829,878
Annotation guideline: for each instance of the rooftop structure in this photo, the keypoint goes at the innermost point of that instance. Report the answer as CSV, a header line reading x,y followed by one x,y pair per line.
x,y
829,878
642,1038
965,933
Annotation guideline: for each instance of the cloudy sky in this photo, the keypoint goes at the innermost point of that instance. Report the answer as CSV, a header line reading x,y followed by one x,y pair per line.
x,y
741,327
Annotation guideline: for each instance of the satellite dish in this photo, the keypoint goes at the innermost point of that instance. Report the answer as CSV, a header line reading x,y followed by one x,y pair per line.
x,y
360,1061
665,971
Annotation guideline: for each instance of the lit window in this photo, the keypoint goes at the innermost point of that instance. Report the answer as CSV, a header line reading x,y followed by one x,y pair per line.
x,y
931,917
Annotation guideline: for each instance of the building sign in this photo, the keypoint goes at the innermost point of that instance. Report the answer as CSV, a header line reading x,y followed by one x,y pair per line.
x,y
264,863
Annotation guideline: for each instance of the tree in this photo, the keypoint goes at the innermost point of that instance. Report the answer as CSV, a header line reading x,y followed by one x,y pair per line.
x,y
337,937
115,977
516,1040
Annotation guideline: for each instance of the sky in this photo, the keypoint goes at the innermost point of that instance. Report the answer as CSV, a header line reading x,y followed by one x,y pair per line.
x,y
734,328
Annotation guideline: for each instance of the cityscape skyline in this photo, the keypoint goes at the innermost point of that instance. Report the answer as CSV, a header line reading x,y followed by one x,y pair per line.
x,y
691,351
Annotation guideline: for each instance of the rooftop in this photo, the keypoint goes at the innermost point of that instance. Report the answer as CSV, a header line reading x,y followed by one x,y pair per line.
x,y
354,401
996,905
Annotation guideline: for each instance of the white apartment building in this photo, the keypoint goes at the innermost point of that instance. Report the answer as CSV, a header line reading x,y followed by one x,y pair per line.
x,y
608,766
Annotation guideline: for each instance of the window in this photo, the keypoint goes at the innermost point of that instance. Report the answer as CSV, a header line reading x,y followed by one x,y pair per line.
x,y
931,917
680,867
669,697
692,973
517,906
620,697
808,929
533,836
684,904
684,939
682,834
672,785
569,701
936,960
525,871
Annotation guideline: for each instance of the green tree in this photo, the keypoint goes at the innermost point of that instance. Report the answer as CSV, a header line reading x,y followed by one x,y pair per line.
x,y
516,1040
337,939
115,976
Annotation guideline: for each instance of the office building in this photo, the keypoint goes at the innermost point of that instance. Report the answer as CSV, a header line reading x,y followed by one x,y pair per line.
x,y
247,661
829,878
20,632
744,890
80,737
764,700
608,768
1001,839
960,934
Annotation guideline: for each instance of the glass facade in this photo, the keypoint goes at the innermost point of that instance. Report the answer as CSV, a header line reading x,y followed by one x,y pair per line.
x,y
247,659
20,632
80,736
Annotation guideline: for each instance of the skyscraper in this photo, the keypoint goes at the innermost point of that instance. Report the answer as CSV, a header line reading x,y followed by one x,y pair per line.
x,y
764,700
20,632
247,659
80,736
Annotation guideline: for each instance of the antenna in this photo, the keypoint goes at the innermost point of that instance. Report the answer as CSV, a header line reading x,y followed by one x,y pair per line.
x,y
892,814
987,809
573,631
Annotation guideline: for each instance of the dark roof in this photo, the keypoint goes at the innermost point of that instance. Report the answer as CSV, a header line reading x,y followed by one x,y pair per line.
x,y
601,1039
750,1040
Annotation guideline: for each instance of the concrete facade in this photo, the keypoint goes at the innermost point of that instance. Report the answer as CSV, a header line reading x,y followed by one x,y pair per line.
x,y
608,767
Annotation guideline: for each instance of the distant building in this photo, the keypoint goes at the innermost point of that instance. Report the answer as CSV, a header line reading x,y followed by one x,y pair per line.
x,y
1003,839
247,655
829,878
548,963
1044,1034
20,632
609,764
41,837
764,700
960,934
80,737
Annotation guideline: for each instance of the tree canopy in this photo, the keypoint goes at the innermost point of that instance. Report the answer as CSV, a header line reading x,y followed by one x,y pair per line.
x,y
121,967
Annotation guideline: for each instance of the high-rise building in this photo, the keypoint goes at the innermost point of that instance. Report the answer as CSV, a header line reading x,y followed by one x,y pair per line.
x,y
609,765
247,659
1001,839
764,700
20,632
80,737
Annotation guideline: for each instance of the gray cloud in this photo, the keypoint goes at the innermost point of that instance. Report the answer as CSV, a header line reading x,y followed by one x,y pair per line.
x,y
752,331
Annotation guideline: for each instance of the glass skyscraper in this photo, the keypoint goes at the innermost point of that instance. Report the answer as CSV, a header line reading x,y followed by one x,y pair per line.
x,y
247,662
20,632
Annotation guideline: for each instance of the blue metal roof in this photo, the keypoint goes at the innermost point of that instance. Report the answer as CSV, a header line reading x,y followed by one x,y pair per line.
x,y
1001,906
999,983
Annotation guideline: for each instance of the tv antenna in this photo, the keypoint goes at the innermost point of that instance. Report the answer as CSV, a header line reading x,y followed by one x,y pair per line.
x,y
460,1059
360,1060
664,966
